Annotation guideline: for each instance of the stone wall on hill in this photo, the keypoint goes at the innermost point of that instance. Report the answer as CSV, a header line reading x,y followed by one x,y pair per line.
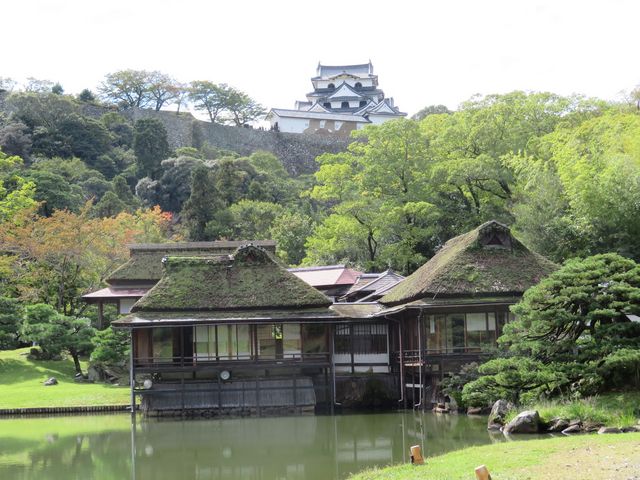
x,y
296,150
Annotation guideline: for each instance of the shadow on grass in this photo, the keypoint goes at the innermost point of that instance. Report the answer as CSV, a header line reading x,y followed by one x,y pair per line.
x,y
17,371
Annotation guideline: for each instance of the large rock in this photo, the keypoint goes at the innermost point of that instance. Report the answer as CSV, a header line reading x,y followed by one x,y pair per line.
x,y
498,414
573,428
604,430
51,381
526,422
557,425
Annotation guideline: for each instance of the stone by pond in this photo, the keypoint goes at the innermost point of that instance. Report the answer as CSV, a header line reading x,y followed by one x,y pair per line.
x,y
109,447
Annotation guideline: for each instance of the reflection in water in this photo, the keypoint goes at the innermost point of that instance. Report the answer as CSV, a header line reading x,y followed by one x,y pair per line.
x,y
295,448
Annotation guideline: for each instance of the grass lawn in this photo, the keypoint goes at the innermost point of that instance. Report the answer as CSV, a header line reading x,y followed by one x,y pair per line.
x,y
614,409
21,384
577,457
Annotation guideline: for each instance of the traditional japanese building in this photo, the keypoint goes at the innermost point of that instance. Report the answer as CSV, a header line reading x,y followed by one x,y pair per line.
x,y
344,98
237,331
451,310
130,281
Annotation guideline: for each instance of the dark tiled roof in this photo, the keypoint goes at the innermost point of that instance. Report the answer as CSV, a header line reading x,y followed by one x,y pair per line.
x,y
485,261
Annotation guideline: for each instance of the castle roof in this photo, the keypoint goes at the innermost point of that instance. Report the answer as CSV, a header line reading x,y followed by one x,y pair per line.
x,y
487,261
358,70
341,117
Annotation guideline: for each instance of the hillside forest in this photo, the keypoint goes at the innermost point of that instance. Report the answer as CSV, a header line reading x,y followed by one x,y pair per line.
x,y
79,180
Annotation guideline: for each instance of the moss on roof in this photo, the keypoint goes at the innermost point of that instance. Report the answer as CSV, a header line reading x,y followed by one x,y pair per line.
x,y
248,279
487,260
145,262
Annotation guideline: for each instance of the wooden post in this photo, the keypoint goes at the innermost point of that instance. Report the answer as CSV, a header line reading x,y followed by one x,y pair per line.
x,y
482,473
416,455
132,374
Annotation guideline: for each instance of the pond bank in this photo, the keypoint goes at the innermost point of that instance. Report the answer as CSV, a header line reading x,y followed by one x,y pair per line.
x,y
559,458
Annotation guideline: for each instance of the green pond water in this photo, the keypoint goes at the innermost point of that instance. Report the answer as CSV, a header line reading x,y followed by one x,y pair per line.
x,y
105,447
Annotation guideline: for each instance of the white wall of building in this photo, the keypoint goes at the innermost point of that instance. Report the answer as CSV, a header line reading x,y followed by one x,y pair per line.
x,y
126,304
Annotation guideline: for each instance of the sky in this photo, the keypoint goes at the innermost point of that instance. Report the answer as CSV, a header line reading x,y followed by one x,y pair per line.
x,y
425,52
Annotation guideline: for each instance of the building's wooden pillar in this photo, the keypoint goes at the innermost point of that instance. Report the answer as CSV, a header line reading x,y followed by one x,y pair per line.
x,y
132,373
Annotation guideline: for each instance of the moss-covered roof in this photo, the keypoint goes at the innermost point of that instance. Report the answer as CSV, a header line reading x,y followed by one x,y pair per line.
x,y
485,261
145,262
248,279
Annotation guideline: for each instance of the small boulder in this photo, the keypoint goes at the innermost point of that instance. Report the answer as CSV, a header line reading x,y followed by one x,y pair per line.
x,y
573,428
526,422
51,381
498,413
604,430
474,411
95,374
630,429
557,425
591,427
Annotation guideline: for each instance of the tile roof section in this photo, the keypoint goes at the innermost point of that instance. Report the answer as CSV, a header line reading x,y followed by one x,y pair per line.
x,y
326,276
281,112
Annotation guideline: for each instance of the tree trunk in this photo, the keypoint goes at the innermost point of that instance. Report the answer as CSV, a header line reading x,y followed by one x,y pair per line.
x,y
76,360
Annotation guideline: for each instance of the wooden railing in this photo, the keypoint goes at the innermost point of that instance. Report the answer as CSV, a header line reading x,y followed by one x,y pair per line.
x,y
285,358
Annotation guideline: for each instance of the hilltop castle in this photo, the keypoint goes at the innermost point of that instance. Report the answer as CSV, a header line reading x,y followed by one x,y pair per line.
x,y
344,98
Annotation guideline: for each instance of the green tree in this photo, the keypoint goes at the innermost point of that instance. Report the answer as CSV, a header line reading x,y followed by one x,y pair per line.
x,y
16,192
202,204
252,220
569,332
430,110
56,333
10,318
290,231
127,88
111,347
241,108
209,97
150,145
86,96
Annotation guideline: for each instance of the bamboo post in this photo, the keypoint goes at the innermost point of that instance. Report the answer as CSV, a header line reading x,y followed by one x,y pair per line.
x,y
482,473
416,455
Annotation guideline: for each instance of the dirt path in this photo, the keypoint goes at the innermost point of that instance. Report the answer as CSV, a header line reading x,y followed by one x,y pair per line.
x,y
620,461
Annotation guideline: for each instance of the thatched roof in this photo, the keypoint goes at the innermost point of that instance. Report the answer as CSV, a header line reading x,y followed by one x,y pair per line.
x,y
248,279
145,262
483,262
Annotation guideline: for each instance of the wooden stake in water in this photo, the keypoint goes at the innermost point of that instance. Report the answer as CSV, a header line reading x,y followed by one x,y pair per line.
x,y
416,455
482,473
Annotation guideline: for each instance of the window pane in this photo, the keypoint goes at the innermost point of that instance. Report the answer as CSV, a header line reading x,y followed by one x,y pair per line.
x,y
314,338
244,342
291,338
163,344
476,322
455,325
266,341
492,321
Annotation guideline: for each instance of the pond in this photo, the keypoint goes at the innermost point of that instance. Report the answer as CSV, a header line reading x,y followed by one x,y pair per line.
x,y
105,447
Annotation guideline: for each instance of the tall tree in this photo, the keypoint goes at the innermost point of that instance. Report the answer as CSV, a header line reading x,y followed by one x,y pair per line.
x,y
150,145
56,333
163,89
209,97
241,108
202,205
127,88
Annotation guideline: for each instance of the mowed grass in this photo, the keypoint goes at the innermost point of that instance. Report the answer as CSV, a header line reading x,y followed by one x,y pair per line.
x,y
560,458
21,384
